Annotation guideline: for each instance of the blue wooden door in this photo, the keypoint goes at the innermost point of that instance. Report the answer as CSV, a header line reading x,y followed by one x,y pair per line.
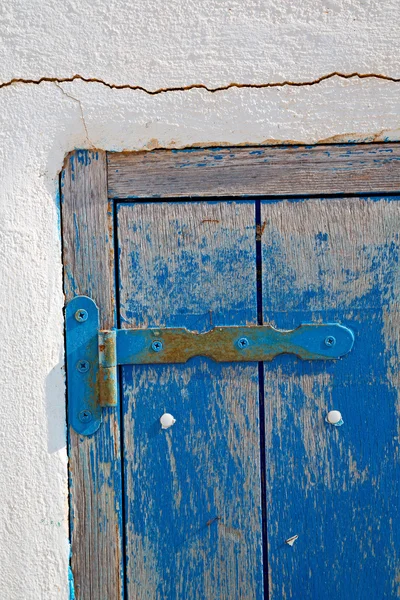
x,y
251,461
334,487
193,492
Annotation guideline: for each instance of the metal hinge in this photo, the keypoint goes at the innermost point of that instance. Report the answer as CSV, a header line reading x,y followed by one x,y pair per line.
x,y
94,355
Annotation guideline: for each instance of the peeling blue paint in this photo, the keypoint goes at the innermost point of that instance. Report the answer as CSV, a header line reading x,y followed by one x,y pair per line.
x,y
71,584
211,474
356,386
337,486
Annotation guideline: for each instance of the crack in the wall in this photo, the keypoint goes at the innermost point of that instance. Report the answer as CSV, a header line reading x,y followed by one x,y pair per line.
x,y
57,84
200,86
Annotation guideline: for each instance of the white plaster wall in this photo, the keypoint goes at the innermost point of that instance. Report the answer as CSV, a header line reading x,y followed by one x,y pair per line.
x,y
156,46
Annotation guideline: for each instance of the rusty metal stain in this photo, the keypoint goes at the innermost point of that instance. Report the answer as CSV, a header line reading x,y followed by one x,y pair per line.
x,y
222,344
107,368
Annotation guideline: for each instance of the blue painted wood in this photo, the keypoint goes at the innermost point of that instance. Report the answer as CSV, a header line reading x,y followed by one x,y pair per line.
x,y
334,487
95,490
259,171
193,511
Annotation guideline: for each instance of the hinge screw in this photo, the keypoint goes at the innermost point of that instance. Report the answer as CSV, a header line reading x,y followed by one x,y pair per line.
x,y
83,366
81,315
330,341
85,416
157,345
243,343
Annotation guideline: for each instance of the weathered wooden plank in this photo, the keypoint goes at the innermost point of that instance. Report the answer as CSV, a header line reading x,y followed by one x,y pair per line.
x,y
193,491
335,260
255,171
88,231
94,461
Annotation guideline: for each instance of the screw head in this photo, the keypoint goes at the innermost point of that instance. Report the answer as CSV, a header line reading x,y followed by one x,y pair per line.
x,y
157,345
242,343
81,315
330,341
83,366
85,416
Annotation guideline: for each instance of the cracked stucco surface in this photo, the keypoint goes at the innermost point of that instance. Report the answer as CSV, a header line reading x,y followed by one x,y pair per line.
x,y
129,54
200,86
175,43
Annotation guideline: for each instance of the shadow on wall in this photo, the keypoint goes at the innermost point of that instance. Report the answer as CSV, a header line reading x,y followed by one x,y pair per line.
x,y
56,409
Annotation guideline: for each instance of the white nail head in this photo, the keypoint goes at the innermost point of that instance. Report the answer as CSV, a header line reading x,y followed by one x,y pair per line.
x,y
167,421
334,417
291,540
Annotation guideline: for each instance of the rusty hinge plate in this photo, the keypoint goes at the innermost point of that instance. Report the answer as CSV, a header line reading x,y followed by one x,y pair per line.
x,y
93,355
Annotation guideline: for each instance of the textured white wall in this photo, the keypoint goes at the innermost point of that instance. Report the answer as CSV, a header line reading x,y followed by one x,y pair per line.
x,y
157,46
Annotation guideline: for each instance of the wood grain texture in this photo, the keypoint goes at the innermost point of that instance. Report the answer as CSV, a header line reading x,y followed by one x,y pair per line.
x,y
94,461
335,260
230,172
193,491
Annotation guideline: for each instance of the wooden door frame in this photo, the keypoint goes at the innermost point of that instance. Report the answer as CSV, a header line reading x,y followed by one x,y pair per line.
x,y
91,184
